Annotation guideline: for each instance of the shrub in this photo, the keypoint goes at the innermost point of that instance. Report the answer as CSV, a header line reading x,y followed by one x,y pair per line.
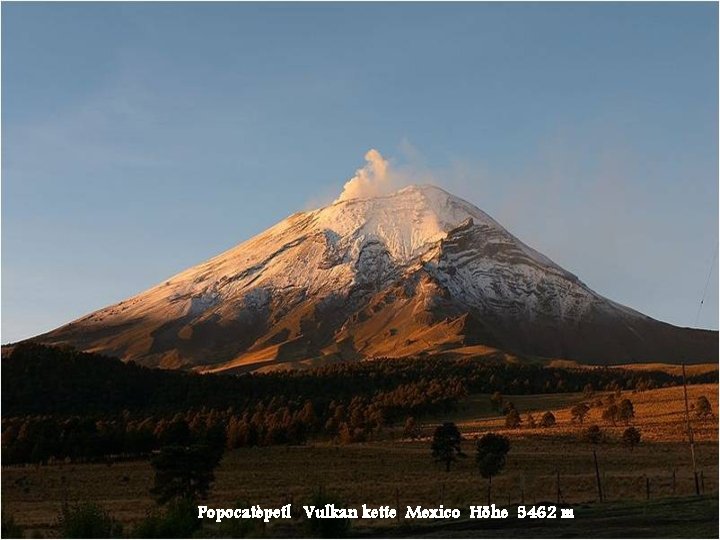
x,y
626,411
579,412
548,420
512,420
178,521
611,414
87,520
631,438
10,529
703,409
594,434
411,429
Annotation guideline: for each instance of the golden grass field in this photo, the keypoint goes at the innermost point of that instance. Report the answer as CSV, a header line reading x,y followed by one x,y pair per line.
x,y
659,414
392,470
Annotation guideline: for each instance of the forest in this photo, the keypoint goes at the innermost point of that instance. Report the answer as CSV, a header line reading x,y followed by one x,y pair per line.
x,y
62,404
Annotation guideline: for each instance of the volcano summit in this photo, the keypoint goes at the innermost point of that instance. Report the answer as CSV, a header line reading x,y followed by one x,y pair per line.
x,y
417,271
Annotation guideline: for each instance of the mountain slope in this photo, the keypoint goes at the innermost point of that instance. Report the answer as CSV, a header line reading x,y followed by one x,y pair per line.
x,y
417,271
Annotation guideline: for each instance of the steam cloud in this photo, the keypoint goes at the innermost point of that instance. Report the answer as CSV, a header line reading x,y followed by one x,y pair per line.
x,y
372,180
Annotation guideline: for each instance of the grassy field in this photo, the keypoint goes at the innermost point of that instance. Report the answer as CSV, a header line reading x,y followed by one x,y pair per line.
x,y
394,471
659,414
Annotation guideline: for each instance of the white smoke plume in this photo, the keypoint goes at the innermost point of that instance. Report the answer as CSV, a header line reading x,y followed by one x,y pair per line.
x,y
372,180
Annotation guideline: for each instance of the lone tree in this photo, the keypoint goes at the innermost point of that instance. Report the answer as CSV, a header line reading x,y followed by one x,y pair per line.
x,y
703,409
579,412
547,420
611,414
626,411
631,438
446,444
491,454
184,472
512,420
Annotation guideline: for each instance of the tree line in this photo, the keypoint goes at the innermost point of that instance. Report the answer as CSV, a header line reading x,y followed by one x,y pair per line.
x,y
59,403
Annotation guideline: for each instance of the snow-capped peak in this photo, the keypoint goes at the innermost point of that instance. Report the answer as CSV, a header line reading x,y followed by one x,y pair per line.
x,y
405,222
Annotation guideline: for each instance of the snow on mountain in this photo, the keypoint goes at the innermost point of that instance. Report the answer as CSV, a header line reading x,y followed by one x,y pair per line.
x,y
414,271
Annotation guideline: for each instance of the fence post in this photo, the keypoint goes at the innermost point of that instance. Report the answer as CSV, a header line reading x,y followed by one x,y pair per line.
x,y
647,487
702,483
597,476
673,482
558,486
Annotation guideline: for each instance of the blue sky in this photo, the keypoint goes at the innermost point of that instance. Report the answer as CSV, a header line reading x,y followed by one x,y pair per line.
x,y
141,139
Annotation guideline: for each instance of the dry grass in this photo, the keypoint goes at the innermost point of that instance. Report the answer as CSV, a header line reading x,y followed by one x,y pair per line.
x,y
374,473
659,414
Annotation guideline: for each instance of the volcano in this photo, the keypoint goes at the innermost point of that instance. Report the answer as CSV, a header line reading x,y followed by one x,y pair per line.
x,y
410,273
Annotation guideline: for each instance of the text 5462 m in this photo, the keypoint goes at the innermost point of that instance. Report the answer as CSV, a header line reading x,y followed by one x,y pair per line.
x,y
544,512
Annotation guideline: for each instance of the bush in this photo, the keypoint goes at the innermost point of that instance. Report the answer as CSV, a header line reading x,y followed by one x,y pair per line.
x,y
626,411
411,429
594,435
579,412
325,528
548,420
178,521
512,420
87,520
10,529
703,409
611,413
631,438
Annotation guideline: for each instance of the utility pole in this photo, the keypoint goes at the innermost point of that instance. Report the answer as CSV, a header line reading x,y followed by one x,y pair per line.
x,y
691,438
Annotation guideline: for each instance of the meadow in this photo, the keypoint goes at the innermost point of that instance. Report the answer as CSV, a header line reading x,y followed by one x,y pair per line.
x,y
398,472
